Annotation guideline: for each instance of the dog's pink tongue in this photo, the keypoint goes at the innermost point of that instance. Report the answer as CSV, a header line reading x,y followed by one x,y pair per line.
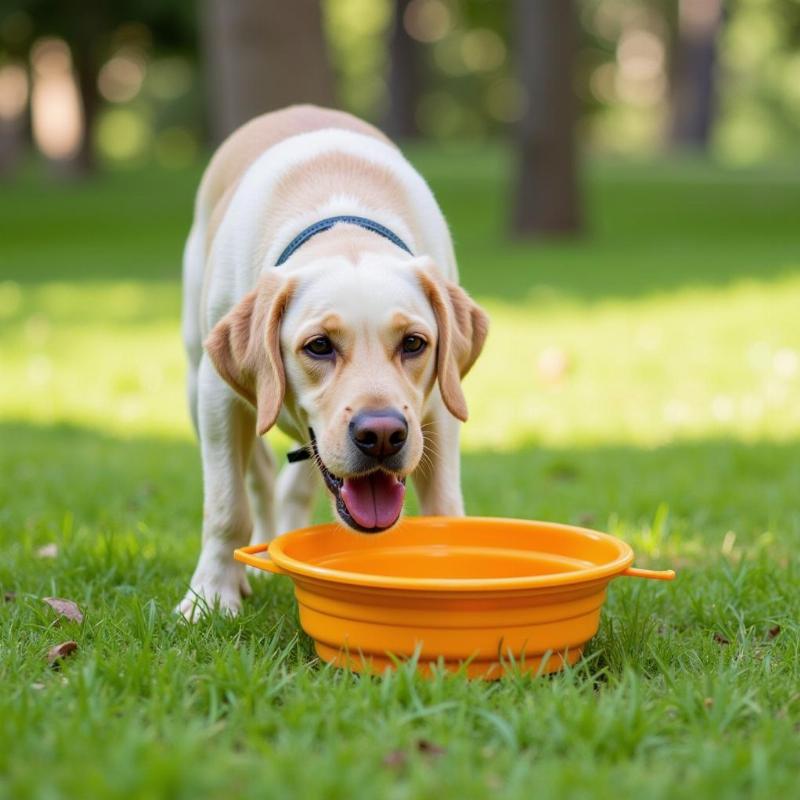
x,y
374,500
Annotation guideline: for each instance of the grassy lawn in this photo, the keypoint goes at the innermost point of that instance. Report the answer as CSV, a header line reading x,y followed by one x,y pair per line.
x,y
644,380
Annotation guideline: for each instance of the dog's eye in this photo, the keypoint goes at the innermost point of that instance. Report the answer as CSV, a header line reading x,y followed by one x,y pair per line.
x,y
412,345
319,347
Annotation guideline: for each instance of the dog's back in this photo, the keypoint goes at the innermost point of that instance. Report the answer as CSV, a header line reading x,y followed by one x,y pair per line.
x,y
246,144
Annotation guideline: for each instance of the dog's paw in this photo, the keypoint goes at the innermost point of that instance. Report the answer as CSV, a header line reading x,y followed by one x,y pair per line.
x,y
215,590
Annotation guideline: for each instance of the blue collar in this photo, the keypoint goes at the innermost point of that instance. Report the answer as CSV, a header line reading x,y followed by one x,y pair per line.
x,y
327,224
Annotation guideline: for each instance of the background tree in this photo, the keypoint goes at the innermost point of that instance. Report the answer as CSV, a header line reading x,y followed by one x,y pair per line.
x,y
546,194
694,99
262,55
405,77
88,28
87,32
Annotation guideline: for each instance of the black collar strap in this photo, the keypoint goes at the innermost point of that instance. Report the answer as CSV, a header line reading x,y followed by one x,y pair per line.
x,y
329,222
303,453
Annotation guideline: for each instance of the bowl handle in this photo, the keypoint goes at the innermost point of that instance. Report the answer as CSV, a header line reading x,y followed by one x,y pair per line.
x,y
653,574
247,555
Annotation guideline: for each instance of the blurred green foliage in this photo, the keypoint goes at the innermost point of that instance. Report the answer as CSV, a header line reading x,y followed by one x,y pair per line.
x,y
623,77
760,95
471,92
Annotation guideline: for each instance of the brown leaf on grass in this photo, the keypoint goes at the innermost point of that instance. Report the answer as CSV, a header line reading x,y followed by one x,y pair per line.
x,y
720,639
399,758
395,758
9,597
64,608
48,551
58,652
774,631
428,748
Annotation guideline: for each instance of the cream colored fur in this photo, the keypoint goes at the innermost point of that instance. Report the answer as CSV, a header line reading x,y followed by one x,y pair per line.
x,y
266,183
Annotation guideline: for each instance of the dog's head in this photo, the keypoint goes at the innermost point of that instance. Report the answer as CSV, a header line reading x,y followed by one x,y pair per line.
x,y
352,351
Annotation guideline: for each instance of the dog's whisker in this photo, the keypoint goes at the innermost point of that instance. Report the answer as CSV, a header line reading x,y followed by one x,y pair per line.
x,y
426,464
431,449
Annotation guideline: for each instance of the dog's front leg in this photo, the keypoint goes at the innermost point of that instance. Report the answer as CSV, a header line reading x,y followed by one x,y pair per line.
x,y
438,477
227,432
261,491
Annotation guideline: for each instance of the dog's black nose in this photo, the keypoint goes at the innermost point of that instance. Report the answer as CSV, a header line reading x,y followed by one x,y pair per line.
x,y
379,433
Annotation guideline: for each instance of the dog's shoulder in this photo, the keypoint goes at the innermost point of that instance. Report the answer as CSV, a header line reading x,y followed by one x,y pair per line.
x,y
238,152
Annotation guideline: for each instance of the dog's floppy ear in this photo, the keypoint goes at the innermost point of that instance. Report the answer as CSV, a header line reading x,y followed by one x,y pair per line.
x,y
463,326
244,346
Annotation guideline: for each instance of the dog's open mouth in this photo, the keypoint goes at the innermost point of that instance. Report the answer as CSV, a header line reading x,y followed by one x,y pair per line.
x,y
369,503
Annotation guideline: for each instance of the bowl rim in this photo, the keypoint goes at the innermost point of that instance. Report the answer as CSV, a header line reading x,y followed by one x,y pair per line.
x,y
292,566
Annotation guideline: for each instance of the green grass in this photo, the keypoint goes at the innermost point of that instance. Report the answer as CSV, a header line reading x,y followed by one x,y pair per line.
x,y
675,425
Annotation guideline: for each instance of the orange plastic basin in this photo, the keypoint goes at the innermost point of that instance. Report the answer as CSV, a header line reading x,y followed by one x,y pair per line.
x,y
484,593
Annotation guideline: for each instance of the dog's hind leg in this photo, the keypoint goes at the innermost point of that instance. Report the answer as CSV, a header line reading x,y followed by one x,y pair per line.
x,y
296,489
261,491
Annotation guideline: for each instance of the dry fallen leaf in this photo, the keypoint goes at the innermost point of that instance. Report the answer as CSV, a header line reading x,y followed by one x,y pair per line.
x,y
59,652
399,758
48,551
64,608
429,748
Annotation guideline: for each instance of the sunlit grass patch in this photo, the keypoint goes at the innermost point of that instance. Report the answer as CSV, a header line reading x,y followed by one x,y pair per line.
x,y
699,362
687,364
107,355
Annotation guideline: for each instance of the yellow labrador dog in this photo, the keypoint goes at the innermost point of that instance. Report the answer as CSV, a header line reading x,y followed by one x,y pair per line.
x,y
320,296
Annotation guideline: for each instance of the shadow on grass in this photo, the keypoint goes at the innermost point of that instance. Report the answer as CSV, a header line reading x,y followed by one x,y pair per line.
x,y
709,487
649,230
650,227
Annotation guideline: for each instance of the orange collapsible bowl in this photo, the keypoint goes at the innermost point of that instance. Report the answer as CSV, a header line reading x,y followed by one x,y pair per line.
x,y
472,592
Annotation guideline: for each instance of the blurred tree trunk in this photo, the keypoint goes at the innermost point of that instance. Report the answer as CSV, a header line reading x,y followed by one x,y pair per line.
x,y
405,80
547,197
86,30
15,126
86,70
262,55
693,84
12,144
